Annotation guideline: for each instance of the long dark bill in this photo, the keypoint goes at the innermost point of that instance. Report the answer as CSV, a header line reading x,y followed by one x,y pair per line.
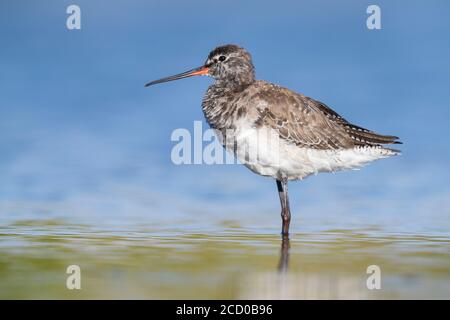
x,y
200,71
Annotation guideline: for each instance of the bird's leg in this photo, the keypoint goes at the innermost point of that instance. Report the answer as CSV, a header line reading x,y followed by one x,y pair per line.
x,y
284,254
285,211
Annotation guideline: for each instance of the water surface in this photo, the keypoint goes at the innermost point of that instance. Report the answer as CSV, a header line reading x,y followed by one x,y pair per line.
x,y
224,261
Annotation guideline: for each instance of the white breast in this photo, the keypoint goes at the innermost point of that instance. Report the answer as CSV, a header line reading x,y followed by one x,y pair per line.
x,y
263,152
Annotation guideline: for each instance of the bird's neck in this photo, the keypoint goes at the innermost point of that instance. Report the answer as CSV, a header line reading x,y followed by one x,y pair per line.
x,y
236,82
220,104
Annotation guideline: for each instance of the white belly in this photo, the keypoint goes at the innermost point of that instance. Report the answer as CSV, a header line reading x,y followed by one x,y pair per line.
x,y
263,152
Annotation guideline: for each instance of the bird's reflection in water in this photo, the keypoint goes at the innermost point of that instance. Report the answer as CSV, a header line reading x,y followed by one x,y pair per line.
x,y
290,282
284,254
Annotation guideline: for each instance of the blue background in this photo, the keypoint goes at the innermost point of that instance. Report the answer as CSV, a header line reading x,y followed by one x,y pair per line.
x,y
81,138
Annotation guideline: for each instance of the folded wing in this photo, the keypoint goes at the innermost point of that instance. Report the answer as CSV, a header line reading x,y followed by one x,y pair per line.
x,y
309,123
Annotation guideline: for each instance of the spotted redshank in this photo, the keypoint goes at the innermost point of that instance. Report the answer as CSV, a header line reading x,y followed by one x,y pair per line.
x,y
312,138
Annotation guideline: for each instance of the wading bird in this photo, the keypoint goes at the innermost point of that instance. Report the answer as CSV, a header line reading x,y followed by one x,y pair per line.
x,y
311,136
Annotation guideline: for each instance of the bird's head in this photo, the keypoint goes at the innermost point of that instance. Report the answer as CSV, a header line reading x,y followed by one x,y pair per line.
x,y
228,65
231,64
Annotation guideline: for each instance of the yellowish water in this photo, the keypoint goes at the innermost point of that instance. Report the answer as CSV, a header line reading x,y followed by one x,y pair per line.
x,y
141,262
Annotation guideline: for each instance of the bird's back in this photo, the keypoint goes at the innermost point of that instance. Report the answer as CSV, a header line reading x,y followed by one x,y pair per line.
x,y
304,121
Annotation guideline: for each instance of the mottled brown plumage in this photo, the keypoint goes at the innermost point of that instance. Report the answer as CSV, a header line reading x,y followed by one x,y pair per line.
x,y
299,119
312,137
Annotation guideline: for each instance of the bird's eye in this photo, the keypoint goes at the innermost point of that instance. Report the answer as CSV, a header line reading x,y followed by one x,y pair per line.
x,y
222,58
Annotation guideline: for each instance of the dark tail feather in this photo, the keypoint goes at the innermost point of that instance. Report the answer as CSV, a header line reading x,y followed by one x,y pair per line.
x,y
378,138
367,136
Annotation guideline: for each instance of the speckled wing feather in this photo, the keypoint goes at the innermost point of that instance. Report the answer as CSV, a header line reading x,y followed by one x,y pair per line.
x,y
361,135
309,123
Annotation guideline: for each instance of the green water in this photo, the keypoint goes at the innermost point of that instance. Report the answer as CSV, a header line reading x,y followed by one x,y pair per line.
x,y
229,262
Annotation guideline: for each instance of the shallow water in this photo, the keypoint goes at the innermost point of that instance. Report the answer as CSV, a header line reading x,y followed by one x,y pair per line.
x,y
228,261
